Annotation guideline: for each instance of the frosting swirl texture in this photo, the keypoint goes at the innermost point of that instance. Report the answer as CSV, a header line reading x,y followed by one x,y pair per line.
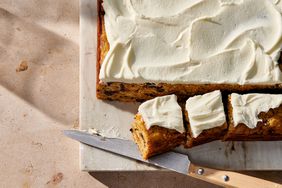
x,y
205,112
163,112
196,41
246,108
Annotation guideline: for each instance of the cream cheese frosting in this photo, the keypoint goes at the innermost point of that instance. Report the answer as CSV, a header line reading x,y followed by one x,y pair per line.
x,y
205,112
163,112
196,41
246,108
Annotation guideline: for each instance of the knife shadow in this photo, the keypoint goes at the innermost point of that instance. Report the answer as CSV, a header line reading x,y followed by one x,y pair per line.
x,y
148,179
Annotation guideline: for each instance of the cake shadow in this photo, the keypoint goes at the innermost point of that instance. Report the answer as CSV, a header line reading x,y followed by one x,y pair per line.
x,y
35,62
124,106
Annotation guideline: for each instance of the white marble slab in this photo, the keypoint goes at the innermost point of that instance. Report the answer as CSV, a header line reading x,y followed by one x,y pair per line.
x,y
114,118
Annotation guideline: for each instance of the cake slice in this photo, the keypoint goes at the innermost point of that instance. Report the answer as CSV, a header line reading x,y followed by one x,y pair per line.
x,y
158,126
205,118
254,117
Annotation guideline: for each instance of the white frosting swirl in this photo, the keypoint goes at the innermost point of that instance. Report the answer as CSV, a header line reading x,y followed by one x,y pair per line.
x,y
205,112
246,108
196,41
163,112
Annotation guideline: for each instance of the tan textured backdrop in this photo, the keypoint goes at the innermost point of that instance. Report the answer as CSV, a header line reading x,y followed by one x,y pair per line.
x,y
39,58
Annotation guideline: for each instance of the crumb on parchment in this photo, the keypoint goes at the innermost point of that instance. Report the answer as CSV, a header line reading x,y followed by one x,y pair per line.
x,y
22,67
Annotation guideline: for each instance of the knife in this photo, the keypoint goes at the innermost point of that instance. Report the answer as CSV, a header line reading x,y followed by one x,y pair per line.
x,y
170,160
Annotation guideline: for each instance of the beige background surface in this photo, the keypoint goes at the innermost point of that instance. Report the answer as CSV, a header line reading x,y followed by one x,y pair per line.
x,y
36,104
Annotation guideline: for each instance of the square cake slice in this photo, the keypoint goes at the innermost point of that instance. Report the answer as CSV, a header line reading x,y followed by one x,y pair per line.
x,y
254,117
205,118
158,126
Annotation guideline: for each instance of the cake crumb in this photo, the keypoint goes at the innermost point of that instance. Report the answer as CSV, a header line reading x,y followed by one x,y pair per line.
x,y
75,124
57,178
26,185
37,144
22,67
28,170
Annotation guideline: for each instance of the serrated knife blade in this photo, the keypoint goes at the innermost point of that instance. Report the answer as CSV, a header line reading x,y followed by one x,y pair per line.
x,y
169,160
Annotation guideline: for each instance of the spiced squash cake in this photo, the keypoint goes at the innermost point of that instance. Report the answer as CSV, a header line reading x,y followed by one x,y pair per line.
x,y
153,48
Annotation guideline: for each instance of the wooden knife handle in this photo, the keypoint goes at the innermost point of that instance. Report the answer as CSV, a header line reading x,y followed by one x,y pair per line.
x,y
228,178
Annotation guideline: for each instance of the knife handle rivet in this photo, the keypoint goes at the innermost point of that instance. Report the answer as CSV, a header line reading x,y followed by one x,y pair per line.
x,y
225,178
200,171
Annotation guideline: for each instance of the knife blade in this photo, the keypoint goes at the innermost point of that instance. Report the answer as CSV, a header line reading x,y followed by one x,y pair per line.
x,y
170,160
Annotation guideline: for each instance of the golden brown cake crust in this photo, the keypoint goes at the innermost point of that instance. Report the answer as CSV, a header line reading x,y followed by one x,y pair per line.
x,y
128,92
206,136
155,140
269,129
